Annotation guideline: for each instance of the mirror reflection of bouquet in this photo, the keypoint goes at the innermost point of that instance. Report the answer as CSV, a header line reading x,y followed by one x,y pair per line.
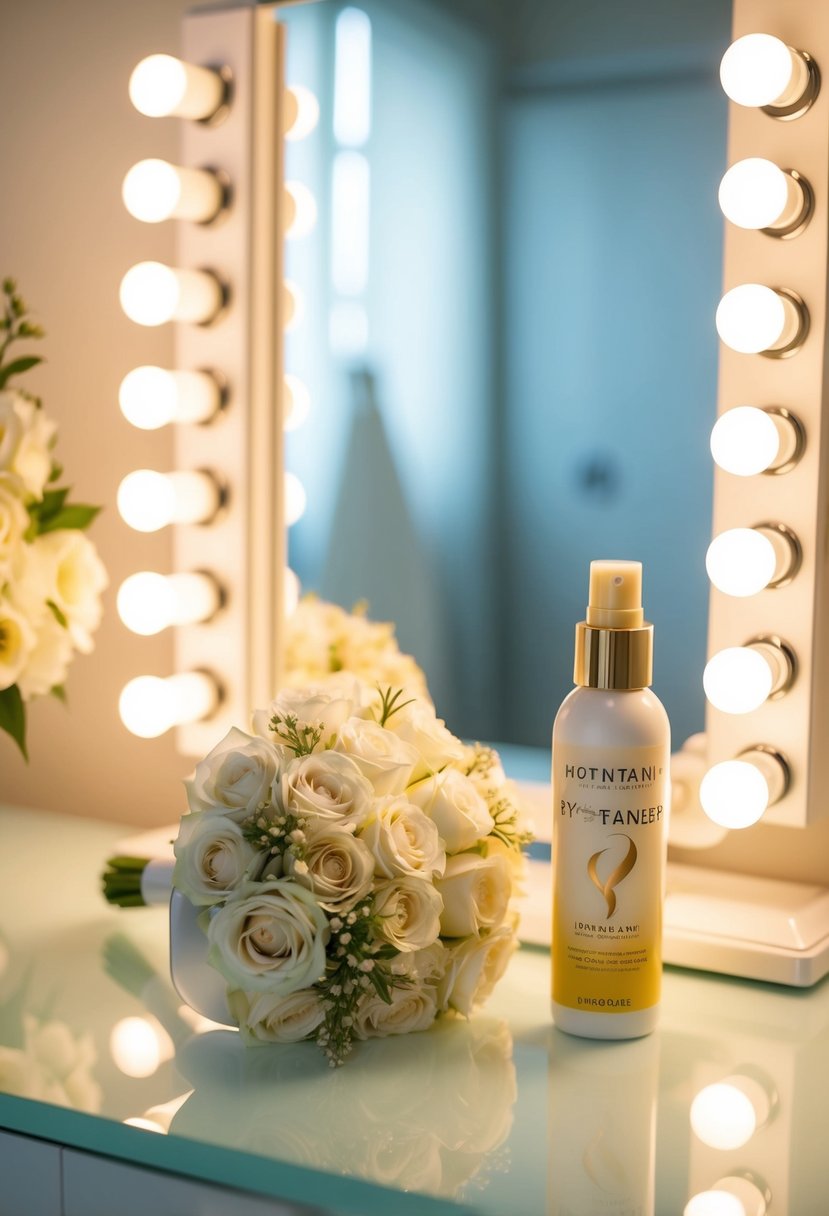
x,y
51,577
356,863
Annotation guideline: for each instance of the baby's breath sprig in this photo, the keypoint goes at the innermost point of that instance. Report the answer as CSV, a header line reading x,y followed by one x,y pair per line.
x,y
484,759
390,703
276,832
506,820
299,737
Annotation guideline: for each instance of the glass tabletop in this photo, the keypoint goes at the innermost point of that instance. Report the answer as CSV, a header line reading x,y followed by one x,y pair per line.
x,y
500,1113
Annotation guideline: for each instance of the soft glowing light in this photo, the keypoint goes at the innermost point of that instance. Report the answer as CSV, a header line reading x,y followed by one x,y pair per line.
x,y
745,441
149,602
352,78
741,561
292,591
754,193
297,403
148,500
726,1115
295,499
146,1125
302,112
301,207
713,1203
735,795
348,328
152,397
752,318
149,705
155,190
757,70
138,1046
161,86
349,223
152,293
737,680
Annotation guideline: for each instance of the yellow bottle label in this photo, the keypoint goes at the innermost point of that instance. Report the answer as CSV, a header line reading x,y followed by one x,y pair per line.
x,y
610,822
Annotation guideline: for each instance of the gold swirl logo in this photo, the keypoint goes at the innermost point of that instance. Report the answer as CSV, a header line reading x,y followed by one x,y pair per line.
x,y
621,871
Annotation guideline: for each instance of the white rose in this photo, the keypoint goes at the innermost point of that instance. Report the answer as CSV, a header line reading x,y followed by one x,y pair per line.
x,y
476,892
474,968
17,641
416,723
409,909
265,1018
212,857
412,1008
269,937
14,520
325,705
63,1062
326,788
48,662
26,436
455,806
336,866
381,756
403,840
65,568
235,778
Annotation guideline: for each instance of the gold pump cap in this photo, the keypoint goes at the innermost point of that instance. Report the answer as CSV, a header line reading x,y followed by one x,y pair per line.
x,y
614,645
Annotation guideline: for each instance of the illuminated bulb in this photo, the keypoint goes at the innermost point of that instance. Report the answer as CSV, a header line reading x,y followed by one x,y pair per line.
x,y
292,304
155,190
162,86
735,795
149,602
152,397
745,1189
741,561
292,590
756,193
149,705
726,1115
152,293
302,112
753,318
297,403
713,1203
738,680
148,500
746,440
138,1046
295,499
760,70
300,210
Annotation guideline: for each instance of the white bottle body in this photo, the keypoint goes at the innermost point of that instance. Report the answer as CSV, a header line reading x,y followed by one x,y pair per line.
x,y
610,773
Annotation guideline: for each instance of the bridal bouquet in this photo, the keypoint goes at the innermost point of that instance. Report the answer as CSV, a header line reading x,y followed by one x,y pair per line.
x,y
355,862
51,577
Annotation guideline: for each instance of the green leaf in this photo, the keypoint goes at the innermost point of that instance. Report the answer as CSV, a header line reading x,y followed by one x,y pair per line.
x,y
59,692
13,717
57,470
17,366
57,614
53,501
79,515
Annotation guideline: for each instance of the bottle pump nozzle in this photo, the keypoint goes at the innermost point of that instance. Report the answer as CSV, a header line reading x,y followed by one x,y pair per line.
x,y
615,595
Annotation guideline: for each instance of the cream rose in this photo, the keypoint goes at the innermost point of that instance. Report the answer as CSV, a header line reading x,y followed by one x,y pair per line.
x,y
212,857
381,756
326,705
269,937
475,891
412,1008
326,788
409,910
436,746
64,567
455,806
48,663
14,520
17,641
473,969
236,778
26,436
336,866
403,840
265,1018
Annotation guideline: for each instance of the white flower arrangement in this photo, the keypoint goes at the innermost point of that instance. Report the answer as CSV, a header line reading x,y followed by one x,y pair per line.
x,y
51,577
355,862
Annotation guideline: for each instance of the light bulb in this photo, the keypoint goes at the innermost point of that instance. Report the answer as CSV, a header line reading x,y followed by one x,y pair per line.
x,y
148,500
149,705
292,591
759,70
138,1045
301,210
162,86
149,602
755,193
737,680
734,794
726,1115
741,561
296,402
746,1189
155,190
713,1203
302,111
745,441
152,293
152,397
295,499
754,319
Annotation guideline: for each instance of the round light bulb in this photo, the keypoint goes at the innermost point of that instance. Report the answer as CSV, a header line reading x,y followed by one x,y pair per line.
x,y
753,318
745,441
754,193
152,397
149,602
726,1115
161,86
138,1046
155,190
292,591
149,705
757,70
737,680
301,209
152,293
713,1203
295,499
148,500
297,403
302,112
741,561
735,795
